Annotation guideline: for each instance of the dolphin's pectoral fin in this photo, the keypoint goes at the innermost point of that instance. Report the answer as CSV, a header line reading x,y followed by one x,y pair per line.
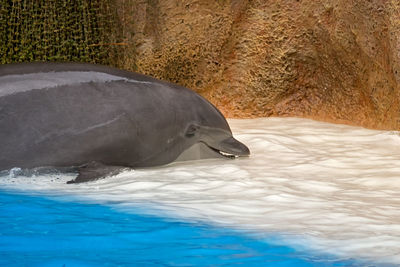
x,y
95,171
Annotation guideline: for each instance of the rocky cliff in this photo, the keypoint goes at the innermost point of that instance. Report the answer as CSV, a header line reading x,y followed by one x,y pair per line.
x,y
336,61
332,60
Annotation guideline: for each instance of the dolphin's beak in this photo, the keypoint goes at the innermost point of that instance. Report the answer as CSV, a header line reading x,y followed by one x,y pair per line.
x,y
230,147
220,145
222,142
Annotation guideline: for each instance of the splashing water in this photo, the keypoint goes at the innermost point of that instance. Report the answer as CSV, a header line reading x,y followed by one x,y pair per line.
x,y
332,188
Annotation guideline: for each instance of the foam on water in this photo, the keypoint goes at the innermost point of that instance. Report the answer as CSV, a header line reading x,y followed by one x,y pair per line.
x,y
333,188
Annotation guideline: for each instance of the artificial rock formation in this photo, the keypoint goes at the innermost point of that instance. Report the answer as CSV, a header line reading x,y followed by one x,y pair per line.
x,y
337,61
333,60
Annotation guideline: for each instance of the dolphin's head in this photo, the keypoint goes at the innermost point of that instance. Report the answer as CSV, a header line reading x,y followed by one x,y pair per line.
x,y
208,135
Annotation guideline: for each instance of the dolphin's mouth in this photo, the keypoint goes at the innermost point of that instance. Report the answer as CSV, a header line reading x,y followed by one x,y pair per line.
x,y
229,148
224,154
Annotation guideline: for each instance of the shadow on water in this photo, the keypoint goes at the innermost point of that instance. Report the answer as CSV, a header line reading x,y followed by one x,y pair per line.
x,y
38,231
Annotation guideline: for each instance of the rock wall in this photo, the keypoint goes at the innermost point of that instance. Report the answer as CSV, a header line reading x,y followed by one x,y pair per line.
x,y
336,61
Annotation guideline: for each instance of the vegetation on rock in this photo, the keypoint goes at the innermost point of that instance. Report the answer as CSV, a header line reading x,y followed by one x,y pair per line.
x,y
58,30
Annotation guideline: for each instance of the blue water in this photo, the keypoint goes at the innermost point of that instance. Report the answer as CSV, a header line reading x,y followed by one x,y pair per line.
x,y
39,231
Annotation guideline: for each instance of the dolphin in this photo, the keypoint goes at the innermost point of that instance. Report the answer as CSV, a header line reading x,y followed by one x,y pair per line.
x,y
99,119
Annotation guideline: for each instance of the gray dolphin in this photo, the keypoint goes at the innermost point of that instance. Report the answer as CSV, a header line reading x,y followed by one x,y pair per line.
x,y
100,119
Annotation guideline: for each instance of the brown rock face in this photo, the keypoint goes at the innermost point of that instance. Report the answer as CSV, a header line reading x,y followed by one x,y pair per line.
x,y
337,61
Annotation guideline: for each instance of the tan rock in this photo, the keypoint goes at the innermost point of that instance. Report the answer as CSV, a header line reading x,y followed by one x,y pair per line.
x,y
336,61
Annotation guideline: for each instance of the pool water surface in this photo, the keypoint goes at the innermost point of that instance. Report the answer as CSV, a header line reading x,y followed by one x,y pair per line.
x,y
39,231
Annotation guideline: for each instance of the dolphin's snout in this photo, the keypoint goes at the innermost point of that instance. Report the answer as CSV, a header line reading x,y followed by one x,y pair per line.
x,y
222,142
232,146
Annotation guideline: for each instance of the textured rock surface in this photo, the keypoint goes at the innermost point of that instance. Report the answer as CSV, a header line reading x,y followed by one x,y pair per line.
x,y
330,60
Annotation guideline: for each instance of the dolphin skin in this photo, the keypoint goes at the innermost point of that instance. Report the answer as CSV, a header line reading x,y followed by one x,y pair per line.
x,y
100,119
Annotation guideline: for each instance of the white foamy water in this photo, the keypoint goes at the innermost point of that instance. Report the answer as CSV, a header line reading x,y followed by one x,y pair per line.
x,y
334,188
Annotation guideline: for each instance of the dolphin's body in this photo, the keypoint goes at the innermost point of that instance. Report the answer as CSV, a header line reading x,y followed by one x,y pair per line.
x,y
93,117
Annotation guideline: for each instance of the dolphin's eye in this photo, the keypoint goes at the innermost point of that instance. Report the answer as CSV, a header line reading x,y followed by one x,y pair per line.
x,y
191,130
